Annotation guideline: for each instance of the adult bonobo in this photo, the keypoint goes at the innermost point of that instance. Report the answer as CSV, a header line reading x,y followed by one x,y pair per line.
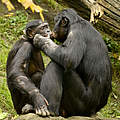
x,y
24,70
80,66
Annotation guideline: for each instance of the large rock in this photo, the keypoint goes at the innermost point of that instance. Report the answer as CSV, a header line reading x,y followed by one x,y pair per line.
x,y
32,116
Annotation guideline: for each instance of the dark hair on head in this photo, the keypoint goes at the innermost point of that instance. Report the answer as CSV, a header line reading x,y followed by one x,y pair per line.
x,y
71,14
34,23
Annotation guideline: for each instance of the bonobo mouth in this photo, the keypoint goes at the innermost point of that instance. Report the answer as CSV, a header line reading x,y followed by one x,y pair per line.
x,y
45,35
53,35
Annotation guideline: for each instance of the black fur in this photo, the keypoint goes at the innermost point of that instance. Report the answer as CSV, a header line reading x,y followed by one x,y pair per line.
x,y
82,67
24,71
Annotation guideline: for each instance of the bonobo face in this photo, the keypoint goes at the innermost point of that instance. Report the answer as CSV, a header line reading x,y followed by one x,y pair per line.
x,y
61,28
37,27
43,29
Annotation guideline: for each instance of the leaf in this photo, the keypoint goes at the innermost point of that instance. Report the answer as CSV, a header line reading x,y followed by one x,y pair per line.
x,y
26,3
115,55
118,117
119,58
115,96
8,4
29,4
0,110
3,115
10,14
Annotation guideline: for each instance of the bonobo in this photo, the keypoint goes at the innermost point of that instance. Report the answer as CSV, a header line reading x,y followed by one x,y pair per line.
x,y
24,71
81,66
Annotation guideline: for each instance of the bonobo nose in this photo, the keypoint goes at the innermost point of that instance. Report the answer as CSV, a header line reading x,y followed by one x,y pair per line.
x,y
48,31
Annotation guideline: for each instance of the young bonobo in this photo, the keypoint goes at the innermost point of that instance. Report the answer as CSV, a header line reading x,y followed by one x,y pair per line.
x,y
24,70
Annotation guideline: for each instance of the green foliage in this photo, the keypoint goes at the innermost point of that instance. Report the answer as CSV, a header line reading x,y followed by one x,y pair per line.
x,y
11,27
114,49
3,115
115,62
10,30
55,5
38,1
112,45
5,99
112,109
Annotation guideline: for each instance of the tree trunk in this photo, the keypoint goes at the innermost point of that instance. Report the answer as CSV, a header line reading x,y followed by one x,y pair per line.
x,y
104,14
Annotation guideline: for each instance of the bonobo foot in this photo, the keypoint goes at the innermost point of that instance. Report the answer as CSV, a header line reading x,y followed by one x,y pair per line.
x,y
42,111
27,109
40,104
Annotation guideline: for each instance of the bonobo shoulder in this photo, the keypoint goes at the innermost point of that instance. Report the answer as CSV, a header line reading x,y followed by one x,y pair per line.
x,y
75,34
27,44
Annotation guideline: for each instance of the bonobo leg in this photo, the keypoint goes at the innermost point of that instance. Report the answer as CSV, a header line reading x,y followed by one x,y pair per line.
x,y
19,99
36,78
78,99
51,86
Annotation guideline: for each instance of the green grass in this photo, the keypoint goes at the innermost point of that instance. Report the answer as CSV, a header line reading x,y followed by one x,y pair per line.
x,y
112,109
11,28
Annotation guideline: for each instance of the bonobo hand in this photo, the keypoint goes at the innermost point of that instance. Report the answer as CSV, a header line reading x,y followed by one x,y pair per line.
x,y
40,104
40,41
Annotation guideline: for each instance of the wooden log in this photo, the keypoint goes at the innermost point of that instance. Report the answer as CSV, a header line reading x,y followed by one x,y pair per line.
x,y
104,14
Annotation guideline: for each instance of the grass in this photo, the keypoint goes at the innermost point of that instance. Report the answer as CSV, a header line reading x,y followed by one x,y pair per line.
x,y
112,109
11,28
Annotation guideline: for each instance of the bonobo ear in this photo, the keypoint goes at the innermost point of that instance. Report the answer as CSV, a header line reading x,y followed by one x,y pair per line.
x,y
30,33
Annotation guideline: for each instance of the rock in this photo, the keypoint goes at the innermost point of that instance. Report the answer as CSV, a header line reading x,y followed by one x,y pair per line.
x,y
32,116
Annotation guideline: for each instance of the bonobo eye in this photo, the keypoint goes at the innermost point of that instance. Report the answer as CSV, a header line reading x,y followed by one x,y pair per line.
x,y
42,28
46,26
64,21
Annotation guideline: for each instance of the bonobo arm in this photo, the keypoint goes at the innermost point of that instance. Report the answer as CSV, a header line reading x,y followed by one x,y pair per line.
x,y
68,55
18,68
